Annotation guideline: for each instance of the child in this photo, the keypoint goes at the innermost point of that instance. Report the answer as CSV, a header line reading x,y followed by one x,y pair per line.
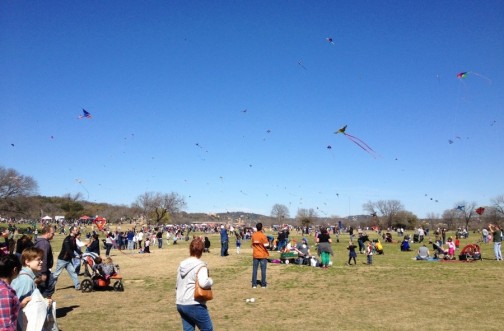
x,y
24,284
451,248
369,253
351,253
147,245
207,245
106,269
238,243
9,305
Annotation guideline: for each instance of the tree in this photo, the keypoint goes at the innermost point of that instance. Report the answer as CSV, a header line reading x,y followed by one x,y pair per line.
x,y
306,217
14,187
387,208
71,206
498,204
465,211
280,212
159,206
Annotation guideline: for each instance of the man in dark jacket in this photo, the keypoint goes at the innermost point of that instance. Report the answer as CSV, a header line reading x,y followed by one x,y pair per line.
x,y
65,257
46,286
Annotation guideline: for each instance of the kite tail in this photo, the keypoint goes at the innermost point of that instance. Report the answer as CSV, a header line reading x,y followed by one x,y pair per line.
x,y
481,76
358,141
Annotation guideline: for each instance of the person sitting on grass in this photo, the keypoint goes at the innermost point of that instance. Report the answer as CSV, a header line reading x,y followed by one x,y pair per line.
x,y
423,253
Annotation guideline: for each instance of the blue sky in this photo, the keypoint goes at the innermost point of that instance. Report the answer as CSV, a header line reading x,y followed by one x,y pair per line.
x,y
168,83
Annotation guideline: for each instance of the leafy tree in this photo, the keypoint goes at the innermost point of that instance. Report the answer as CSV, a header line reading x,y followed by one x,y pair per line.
x,y
71,206
280,212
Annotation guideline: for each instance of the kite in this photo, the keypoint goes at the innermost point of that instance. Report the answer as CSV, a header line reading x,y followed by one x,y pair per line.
x,y
100,222
357,141
462,208
85,114
330,40
300,63
464,74
329,147
480,211
12,145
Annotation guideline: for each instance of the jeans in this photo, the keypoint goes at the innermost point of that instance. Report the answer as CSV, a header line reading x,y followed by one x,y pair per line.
x,y
47,287
77,264
255,266
224,248
68,265
497,250
195,315
130,244
108,247
370,259
160,242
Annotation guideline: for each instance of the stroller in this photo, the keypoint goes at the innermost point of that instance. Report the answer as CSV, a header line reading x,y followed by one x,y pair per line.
x,y
97,278
470,252
438,251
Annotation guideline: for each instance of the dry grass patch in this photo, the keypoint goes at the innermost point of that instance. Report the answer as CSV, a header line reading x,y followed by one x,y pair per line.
x,y
396,293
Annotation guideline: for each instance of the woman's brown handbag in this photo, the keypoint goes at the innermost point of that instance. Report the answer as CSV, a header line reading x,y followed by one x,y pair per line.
x,y
200,294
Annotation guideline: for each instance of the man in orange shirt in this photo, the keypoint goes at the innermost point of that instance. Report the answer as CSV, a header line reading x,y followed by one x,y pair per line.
x,y
260,255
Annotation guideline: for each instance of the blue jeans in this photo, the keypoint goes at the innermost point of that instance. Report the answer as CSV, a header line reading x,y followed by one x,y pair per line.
x,y
68,265
224,248
108,248
160,242
195,315
497,250
255,266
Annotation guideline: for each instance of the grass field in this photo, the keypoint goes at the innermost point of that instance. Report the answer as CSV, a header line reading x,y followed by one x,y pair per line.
x,y
395,293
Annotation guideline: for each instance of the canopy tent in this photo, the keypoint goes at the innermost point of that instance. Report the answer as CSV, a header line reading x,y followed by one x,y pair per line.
x,y
84,217
47,217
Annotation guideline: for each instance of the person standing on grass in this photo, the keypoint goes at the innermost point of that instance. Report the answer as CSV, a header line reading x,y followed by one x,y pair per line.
x,y
497,239
46,285
260,255
193,313
65,258
324,247
352,254
224,241
369,253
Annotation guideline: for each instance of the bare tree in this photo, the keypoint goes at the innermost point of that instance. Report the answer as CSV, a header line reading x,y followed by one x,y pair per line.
x,y
498,204
280,212
450,217
14,188
306,217
387,208
159,206
465,211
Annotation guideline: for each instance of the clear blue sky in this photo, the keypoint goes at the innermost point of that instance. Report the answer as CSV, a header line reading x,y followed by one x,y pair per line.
x,y
160,77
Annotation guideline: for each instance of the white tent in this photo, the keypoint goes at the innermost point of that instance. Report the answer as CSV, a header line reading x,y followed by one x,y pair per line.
x,y
47,218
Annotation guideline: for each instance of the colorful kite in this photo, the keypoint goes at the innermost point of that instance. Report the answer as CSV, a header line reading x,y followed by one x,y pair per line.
x,y
480,211
85,114
100,222
357,141
464,74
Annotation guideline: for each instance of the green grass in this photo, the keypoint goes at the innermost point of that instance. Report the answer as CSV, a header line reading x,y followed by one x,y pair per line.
x,y
395,293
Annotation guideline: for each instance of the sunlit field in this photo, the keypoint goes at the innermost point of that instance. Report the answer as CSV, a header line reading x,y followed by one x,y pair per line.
x,y
395,293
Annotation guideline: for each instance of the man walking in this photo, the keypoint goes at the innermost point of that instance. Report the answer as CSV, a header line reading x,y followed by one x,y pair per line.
x,y
259,255
65,258
46,286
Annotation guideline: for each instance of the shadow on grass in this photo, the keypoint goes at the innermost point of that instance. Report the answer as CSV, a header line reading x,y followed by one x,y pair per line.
x,y
62,312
